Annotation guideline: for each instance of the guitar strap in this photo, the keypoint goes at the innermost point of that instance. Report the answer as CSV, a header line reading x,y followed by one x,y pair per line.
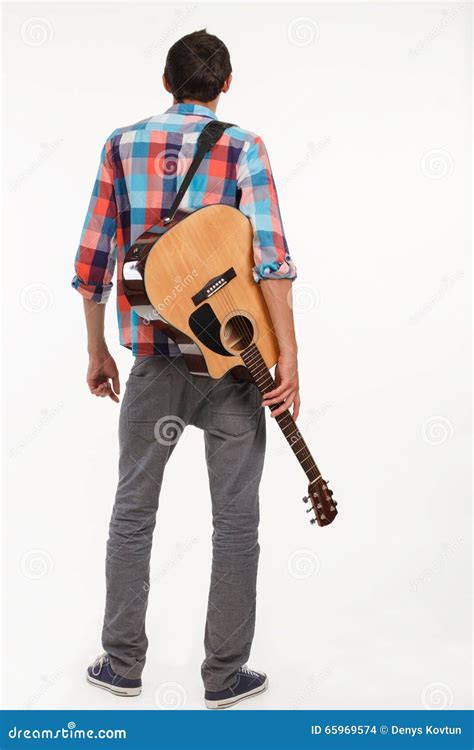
x,y
208,137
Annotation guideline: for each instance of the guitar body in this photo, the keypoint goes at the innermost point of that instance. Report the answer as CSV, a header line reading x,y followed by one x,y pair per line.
x,y
192,276
189,260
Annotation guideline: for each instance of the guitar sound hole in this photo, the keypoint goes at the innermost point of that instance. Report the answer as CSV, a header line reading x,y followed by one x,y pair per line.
x,y
238,333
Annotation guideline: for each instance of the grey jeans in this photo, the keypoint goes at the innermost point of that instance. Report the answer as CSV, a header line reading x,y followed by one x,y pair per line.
x,y
161,398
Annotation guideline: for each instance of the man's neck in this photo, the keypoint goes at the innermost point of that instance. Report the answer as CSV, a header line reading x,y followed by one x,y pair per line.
x,y
210,105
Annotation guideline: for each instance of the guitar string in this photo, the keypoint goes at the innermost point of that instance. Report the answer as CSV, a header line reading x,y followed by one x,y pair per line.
x,y
285,416
304,450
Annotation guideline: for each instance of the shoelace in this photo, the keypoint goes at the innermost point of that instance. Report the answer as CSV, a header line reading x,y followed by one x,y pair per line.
x,y
99,663
248,671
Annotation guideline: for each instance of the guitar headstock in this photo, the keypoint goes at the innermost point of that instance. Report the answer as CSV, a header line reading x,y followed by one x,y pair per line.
x,y
321,502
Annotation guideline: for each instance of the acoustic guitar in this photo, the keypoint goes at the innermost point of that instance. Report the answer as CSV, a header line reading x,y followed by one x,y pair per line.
x,y
192,276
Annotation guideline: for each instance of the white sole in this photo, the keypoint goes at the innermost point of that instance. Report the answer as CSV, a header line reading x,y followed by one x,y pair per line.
x,y
115,689
228,702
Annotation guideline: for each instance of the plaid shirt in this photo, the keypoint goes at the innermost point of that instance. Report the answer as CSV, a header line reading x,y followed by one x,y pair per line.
x,y
139,174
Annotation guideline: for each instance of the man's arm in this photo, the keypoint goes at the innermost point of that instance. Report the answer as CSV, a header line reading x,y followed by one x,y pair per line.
x,y
102,373
95,262
273,269
277,294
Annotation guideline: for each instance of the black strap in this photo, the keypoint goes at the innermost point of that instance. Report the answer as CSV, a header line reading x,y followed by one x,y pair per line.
x,y
208,137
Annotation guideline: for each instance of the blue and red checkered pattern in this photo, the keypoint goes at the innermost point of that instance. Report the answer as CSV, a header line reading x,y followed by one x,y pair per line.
x,y
140,172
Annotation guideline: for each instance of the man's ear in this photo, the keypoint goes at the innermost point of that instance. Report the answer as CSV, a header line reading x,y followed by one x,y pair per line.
x,y
227,83
166,84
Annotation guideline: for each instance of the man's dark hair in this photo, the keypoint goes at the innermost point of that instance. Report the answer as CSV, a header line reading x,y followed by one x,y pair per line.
x,y
197,66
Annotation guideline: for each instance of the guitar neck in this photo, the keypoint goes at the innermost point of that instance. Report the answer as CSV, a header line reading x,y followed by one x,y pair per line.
x,y
255,363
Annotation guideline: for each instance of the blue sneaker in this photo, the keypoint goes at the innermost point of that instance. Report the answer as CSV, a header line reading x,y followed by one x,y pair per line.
x,y
101,674
248,683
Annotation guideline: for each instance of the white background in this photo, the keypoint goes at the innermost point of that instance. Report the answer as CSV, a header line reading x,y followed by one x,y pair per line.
x,y
365,110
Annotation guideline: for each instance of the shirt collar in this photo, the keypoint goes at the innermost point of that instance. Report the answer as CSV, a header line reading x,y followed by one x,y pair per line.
x,y
191,109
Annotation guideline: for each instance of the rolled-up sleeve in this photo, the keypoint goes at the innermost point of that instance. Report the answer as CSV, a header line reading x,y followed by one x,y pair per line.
x,y
259,201
95,258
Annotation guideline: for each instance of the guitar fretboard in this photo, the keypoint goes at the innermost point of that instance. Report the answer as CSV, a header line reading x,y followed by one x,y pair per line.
x,y
255,363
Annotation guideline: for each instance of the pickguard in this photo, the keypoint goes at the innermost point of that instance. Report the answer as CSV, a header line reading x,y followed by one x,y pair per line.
x,y
206,327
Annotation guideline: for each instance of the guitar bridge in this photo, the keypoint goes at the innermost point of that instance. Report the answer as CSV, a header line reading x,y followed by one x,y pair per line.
x,y
213,286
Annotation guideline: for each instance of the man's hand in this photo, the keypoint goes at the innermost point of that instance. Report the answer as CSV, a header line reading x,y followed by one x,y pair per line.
x,y
286,392
102,368
101,371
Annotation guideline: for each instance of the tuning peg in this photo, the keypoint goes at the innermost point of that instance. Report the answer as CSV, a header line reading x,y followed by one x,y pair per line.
x,y
334,502
330,492
309,510
306,498
312,521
